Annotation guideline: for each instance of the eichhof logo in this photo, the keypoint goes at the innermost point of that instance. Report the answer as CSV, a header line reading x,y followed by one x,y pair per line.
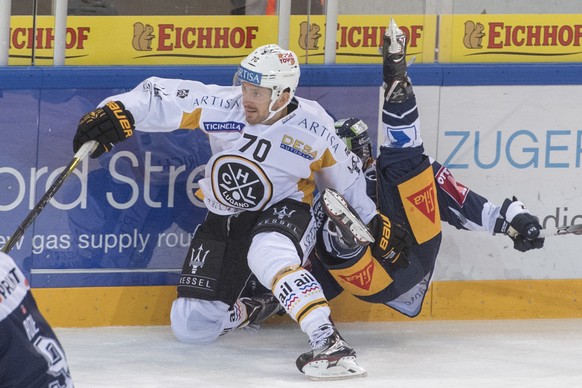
x,y
473,35
142,37
309,36
526,37
197,258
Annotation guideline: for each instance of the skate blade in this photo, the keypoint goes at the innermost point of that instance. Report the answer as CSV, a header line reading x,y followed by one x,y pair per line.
x,y
337,209
345,368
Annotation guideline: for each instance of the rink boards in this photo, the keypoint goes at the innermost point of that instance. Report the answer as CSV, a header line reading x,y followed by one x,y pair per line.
x,y
108,249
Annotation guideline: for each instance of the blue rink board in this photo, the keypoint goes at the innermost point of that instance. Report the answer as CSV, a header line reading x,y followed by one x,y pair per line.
x,y
41,107
88,77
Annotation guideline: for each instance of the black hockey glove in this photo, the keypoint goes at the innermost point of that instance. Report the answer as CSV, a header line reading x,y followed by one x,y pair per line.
x,y
392,241
519,224
108,125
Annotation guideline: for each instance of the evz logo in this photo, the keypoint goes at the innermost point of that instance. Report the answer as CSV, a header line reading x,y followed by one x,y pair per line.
x,y
240,183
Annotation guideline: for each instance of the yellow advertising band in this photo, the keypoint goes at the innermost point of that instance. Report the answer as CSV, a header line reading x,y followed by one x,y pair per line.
x,y
454,300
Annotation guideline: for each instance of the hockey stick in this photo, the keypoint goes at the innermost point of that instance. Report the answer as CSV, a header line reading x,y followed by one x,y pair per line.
x,y
562,230
85,150
559,231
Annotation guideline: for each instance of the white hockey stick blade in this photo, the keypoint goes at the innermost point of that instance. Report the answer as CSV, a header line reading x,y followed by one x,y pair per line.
x,y
551,232
563,231
345,368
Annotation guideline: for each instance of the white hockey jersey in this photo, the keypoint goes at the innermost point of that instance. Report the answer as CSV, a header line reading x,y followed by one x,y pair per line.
x,y
252,166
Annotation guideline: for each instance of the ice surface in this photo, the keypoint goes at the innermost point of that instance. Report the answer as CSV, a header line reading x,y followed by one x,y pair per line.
x,y
416,354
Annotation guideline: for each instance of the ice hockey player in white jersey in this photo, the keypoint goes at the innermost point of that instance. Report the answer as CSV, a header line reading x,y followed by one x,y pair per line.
x,y
271,150
30,353
403,175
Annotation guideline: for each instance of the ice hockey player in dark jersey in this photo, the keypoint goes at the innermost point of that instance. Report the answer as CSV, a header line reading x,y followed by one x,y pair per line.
x,y
31,356
403,172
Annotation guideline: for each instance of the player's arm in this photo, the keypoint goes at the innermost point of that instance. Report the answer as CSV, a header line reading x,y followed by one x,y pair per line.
x,y
155,105
520,225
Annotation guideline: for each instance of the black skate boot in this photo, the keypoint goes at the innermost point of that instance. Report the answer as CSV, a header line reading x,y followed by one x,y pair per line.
x,y
259,308
331,358
353,230
397,83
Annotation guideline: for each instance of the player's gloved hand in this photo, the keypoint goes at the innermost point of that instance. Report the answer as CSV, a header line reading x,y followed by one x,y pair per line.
x,y
519,224
392,241
108,125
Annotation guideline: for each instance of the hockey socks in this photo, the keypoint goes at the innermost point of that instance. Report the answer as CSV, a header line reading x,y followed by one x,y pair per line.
x,y
299,293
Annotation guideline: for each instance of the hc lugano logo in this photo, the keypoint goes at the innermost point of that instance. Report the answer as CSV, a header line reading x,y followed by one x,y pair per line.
x,y
197,258
240,183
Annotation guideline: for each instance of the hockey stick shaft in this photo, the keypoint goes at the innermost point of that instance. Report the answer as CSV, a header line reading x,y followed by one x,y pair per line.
x,y
81,154
562,231
551,232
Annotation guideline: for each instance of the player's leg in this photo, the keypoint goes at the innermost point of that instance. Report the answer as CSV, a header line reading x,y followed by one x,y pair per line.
x,y
396,81
203,321
275,258
216,293
197,321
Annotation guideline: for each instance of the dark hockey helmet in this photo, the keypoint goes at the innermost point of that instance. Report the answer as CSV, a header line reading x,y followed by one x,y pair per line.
x,y
354,132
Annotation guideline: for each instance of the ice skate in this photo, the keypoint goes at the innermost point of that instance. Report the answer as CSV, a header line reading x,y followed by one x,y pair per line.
x,y
353,230
397,83
331,358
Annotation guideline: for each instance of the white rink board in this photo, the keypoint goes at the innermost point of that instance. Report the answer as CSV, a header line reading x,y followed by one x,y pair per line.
x,y
502,141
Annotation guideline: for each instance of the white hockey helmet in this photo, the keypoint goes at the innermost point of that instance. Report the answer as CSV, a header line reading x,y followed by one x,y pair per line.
x,y
271,67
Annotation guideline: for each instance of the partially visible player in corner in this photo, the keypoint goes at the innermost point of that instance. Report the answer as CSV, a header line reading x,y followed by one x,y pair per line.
x,y
403,173
30,353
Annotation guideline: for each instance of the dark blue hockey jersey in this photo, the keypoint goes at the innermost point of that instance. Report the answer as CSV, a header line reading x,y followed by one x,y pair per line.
x,y
30,353
418,193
